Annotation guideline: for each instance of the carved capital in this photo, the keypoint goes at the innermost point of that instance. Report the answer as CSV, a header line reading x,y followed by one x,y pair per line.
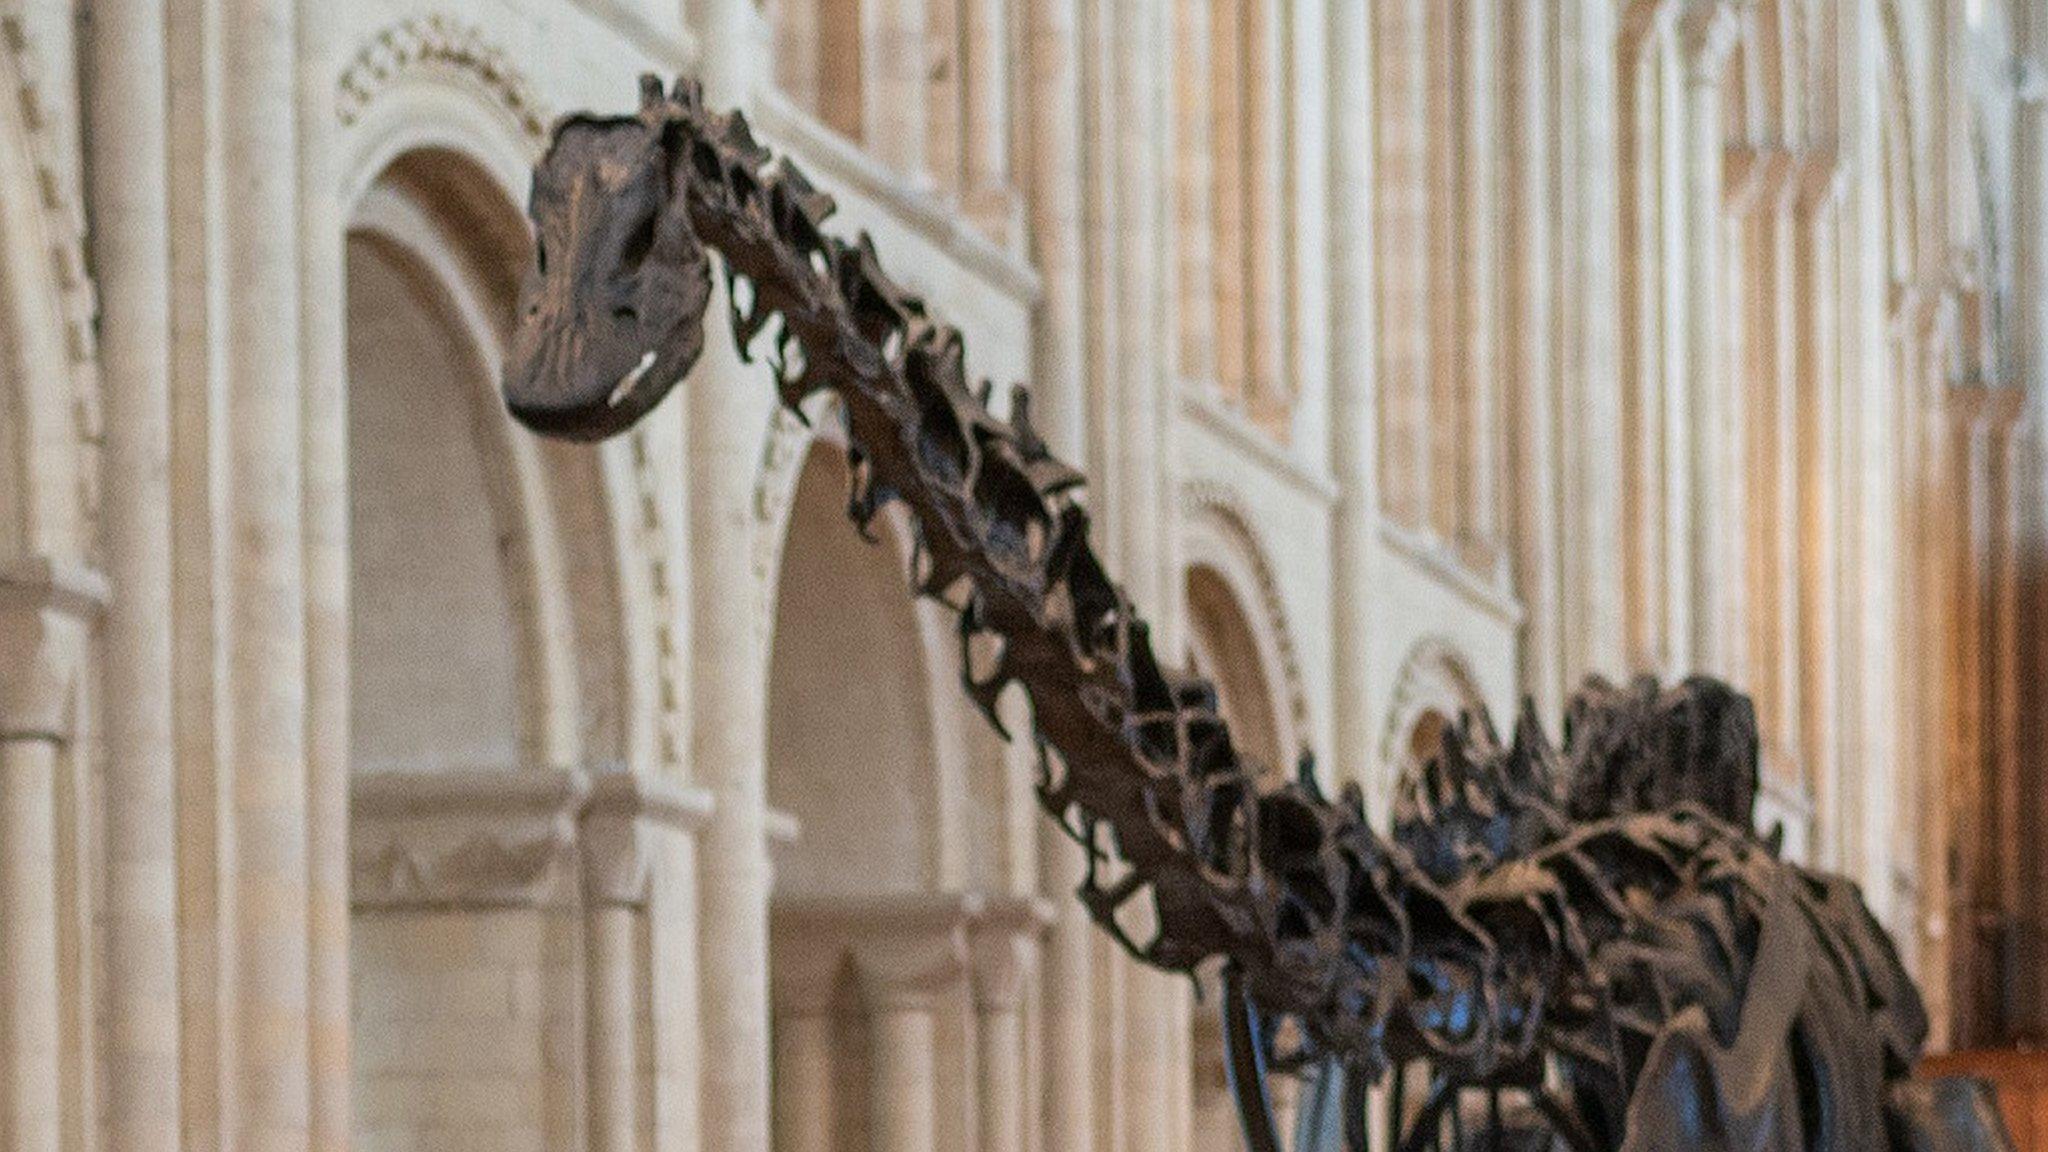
x,y
1003,950
46,613
465,839
904,950
623,822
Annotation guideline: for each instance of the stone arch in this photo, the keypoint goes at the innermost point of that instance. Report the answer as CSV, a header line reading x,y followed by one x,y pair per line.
x,y
859,748
436,226
1433,689
1238,627
49,403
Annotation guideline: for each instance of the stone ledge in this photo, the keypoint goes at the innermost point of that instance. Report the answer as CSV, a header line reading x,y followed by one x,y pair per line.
x,y
477,839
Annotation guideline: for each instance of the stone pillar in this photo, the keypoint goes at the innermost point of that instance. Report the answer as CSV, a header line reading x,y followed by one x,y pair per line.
x,y
131,246
1713,479
1140,477
725,416
613,1072
1354,382
1590,536
991,195
1474,349
323,238
893,94
1195,165
806,980
265,594
1529,329
905,954
1003,943
1817,451
45,616
1053,134
30,1046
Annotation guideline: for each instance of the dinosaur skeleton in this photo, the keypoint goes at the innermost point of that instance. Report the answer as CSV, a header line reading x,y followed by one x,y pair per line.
x,y
1595,926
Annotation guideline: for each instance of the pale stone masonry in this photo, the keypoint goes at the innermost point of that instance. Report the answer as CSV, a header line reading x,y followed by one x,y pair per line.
x,y
373,776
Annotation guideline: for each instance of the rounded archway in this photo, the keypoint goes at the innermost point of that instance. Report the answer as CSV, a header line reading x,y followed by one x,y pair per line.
x,y
851,738
486,658
485,611
1434,691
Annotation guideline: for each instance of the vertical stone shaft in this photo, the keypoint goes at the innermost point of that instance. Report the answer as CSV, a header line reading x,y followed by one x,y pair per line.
x,y
1053,185
902,1108
1196,166
804,1113
324,356
1475,348
893,87
29,1044
1590,535
131,246
724,418
266,565
1354,377
1138,489
614,1070
1712,479
990,195
1529,327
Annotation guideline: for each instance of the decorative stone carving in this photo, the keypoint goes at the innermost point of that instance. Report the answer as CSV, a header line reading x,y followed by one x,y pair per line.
x,y
62,229
1219,502
489,839
441,44
622,818
464,839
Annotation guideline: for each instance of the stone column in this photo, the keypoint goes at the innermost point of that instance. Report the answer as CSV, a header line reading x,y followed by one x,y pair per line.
x,y
630,826
30,1046
131,246
725,416
1816,468
894,55
1590,536
1972,813
45,616
1354,381
1530,330
613,1072
1706,32
265,594
806,983
905,955
1053,183
991,194
323,239
1003,945
1474,352
1140,476
1195,164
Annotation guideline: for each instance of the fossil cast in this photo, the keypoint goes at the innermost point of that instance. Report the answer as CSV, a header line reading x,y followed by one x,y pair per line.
x,y
1593,925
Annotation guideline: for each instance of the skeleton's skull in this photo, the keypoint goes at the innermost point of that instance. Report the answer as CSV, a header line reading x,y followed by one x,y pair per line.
x,y
612,312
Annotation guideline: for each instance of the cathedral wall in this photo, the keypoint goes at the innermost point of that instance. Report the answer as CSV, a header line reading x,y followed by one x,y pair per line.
x,y
1678,335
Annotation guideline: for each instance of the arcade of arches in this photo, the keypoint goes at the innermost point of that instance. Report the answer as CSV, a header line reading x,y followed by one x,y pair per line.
x,y
375,776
